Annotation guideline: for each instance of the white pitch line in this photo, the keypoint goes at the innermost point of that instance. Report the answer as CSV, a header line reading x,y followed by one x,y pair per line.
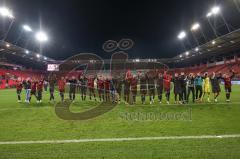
x,y
120,139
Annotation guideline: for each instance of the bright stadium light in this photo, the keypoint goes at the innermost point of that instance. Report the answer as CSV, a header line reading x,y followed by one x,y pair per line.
x,y
187,53
41,36
209,14
27,52
196,49
195,27
180,56
182,35
5,12
27,28
38,56
213,42
7,45
215,10
45,58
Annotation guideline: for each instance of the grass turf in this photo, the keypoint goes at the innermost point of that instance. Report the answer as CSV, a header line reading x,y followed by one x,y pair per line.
x,y
23,122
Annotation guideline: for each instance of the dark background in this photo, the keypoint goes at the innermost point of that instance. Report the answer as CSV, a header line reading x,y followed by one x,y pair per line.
x,y
76,26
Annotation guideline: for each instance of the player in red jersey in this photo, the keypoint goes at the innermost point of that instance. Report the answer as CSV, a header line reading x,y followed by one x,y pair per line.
x,y
39,91
33,89
61,87
228,84
167,85
19,86
107,89
100,87
91,88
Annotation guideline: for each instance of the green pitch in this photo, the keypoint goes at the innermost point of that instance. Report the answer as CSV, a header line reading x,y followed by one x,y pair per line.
x,y
38,122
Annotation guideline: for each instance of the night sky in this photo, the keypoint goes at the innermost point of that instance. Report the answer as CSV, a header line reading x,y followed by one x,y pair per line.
x,y
79,26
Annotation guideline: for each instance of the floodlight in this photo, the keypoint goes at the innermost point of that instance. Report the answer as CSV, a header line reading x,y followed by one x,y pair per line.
x,y
182,35
7,45
5,12
45,58
196,49
187,53
215,10
41,36
27,52
27,28
38,56
180,56
213,42
209,14
195,26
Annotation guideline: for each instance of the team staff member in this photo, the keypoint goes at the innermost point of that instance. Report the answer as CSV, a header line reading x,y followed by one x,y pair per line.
x,y
83,86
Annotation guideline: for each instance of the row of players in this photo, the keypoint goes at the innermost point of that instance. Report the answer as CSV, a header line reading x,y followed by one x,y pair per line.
x,y
110,88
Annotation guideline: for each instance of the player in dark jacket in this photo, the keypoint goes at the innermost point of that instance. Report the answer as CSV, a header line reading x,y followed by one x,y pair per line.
x,y
19,86
83,86
183,83
177,88
143,86
215,82
72,88
134,83
191,87
159,85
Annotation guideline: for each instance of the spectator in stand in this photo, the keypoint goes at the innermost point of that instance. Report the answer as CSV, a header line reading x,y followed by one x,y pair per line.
x,y
39,91
61,87
19,86
198,85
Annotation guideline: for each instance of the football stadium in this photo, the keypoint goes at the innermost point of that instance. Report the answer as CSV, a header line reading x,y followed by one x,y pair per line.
x,y
85,79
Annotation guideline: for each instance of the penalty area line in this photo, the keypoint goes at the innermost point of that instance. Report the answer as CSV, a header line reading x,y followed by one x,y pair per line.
x,y
121,139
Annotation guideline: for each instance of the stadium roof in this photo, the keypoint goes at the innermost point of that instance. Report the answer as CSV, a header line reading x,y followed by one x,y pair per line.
x,y
23,56
223,44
